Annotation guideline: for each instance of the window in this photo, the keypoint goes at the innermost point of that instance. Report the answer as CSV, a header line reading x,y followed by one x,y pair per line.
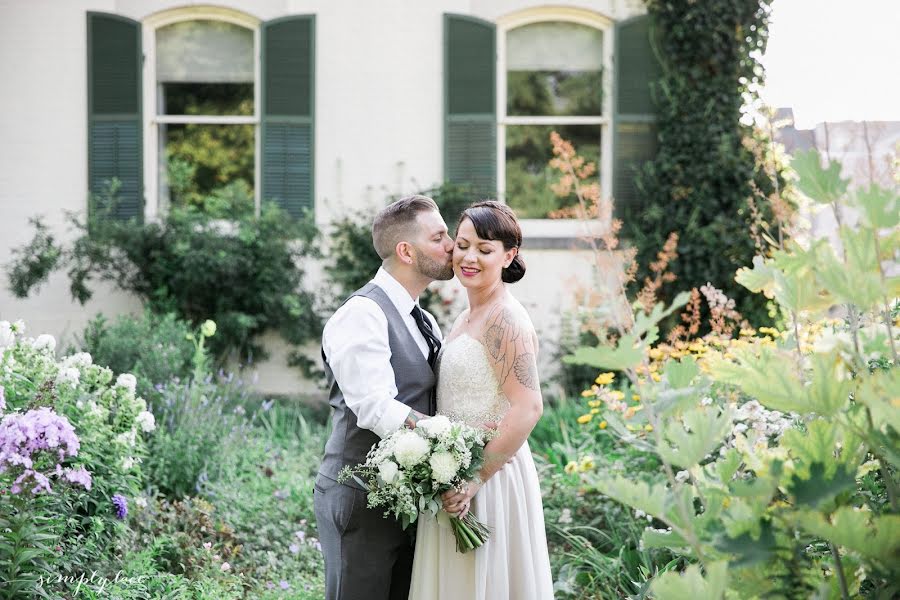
x,y
200,107
553,82
206,117
552,78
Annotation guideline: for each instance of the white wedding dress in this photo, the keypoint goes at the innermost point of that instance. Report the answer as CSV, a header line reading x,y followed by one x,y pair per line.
x,y
514,564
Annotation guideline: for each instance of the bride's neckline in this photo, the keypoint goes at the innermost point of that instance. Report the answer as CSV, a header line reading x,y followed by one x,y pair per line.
x,y
459,335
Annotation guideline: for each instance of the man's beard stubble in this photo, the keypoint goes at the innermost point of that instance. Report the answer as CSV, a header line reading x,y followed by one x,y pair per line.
x,y
433,269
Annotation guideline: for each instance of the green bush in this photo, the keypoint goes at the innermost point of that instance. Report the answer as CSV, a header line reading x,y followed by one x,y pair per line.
x,y
154,348
699,183
246,275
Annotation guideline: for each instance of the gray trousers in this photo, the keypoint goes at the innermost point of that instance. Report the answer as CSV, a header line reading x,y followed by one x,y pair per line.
x,y
367,556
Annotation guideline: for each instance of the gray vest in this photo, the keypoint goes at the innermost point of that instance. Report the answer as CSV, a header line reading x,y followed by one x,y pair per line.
x,y
348,444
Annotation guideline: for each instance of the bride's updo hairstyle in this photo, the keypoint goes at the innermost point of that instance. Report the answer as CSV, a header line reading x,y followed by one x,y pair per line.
x,y
496,221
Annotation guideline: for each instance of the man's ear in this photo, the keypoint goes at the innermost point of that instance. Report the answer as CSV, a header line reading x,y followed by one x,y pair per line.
x,y
510,255
404,252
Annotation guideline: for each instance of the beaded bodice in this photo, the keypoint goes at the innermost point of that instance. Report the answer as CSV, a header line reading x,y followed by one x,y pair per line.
x,y
467,388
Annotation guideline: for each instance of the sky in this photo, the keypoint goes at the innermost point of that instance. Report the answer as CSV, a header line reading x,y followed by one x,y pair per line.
x,y
834,60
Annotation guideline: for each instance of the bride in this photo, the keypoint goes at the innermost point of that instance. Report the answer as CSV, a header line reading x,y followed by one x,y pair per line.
x,y
487,372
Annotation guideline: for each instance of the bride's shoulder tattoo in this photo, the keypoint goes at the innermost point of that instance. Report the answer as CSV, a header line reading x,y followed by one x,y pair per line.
x,y
508,344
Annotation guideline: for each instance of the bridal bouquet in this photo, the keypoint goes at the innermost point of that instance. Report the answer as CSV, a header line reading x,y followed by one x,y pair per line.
x,y
407,472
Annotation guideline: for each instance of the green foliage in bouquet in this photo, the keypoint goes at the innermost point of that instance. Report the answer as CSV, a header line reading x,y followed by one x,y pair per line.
x,y
247,274
779,449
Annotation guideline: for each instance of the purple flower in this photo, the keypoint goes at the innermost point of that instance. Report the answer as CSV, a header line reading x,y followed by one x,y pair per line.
x,y
283,584
80,476
294,548
23,435
265,405
121,505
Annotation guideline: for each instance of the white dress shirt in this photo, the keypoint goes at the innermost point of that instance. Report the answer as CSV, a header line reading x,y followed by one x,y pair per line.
x,y
355,341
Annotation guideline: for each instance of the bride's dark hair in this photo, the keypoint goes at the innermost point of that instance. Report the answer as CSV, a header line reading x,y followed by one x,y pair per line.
x,y
496,221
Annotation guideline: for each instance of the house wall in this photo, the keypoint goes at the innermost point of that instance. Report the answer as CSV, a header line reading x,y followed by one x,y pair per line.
x,y
378,122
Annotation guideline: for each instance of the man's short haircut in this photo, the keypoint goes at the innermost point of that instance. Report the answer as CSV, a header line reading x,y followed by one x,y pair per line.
x,y
397,221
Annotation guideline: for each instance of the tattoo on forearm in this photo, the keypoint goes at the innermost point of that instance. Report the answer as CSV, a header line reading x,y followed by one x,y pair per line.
x,y
526,372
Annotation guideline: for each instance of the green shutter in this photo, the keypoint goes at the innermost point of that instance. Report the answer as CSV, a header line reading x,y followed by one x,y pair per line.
x,y
288,79
634,116
115,149
470,119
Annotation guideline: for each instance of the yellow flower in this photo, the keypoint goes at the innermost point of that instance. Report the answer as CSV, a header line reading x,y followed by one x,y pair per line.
x,y
726,502
605,378
585,418
616,395
595,411
648,427
587,463
588,393
655,376
655,353
602,425
572,467
594,403
635,397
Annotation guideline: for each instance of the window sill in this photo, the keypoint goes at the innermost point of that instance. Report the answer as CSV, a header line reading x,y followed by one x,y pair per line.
x,y
558,234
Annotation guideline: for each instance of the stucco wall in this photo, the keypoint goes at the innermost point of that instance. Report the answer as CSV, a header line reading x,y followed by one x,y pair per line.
x,y
378,126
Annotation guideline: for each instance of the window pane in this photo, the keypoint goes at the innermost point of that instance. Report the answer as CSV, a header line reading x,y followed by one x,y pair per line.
x,y
554,69
204,68
208,167
528,176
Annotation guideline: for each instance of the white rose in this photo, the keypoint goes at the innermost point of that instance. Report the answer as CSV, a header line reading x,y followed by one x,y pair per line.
x,y
388,471
68,375
45,341
435,427
7,336
443,467
127,381
410,448
146,420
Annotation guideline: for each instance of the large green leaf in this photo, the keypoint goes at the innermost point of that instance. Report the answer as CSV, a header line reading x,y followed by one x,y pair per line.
x,y
771,378
749,549
821,185
858,281
877,537
654,499
692,585
625,355
654,538
880,207
880,392
680,373
696,434
828,392
820,488
761,278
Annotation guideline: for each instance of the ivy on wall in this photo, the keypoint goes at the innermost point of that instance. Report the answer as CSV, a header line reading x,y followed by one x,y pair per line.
x,y
702,176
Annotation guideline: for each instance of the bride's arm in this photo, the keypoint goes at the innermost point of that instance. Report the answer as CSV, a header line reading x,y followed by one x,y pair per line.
x,y
512,348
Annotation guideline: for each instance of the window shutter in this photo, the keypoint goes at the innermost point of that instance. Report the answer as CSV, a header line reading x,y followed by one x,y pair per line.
x,y
634,116
470,108
114,115
288,76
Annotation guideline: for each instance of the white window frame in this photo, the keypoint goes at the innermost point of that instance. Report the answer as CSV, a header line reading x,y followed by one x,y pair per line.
x,y
153,206
556,227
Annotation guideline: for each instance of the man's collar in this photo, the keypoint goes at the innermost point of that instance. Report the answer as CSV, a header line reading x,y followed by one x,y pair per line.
x,y
395,291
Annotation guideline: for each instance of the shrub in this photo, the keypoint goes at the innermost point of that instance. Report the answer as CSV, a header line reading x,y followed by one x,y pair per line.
x,y
64,422
699,183
778,447
246,275
154,348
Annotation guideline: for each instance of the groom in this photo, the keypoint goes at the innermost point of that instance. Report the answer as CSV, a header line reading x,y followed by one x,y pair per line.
x,y
379,350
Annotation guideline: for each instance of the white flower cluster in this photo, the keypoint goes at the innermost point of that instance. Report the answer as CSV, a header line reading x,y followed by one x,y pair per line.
x,y
407,471
756,426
